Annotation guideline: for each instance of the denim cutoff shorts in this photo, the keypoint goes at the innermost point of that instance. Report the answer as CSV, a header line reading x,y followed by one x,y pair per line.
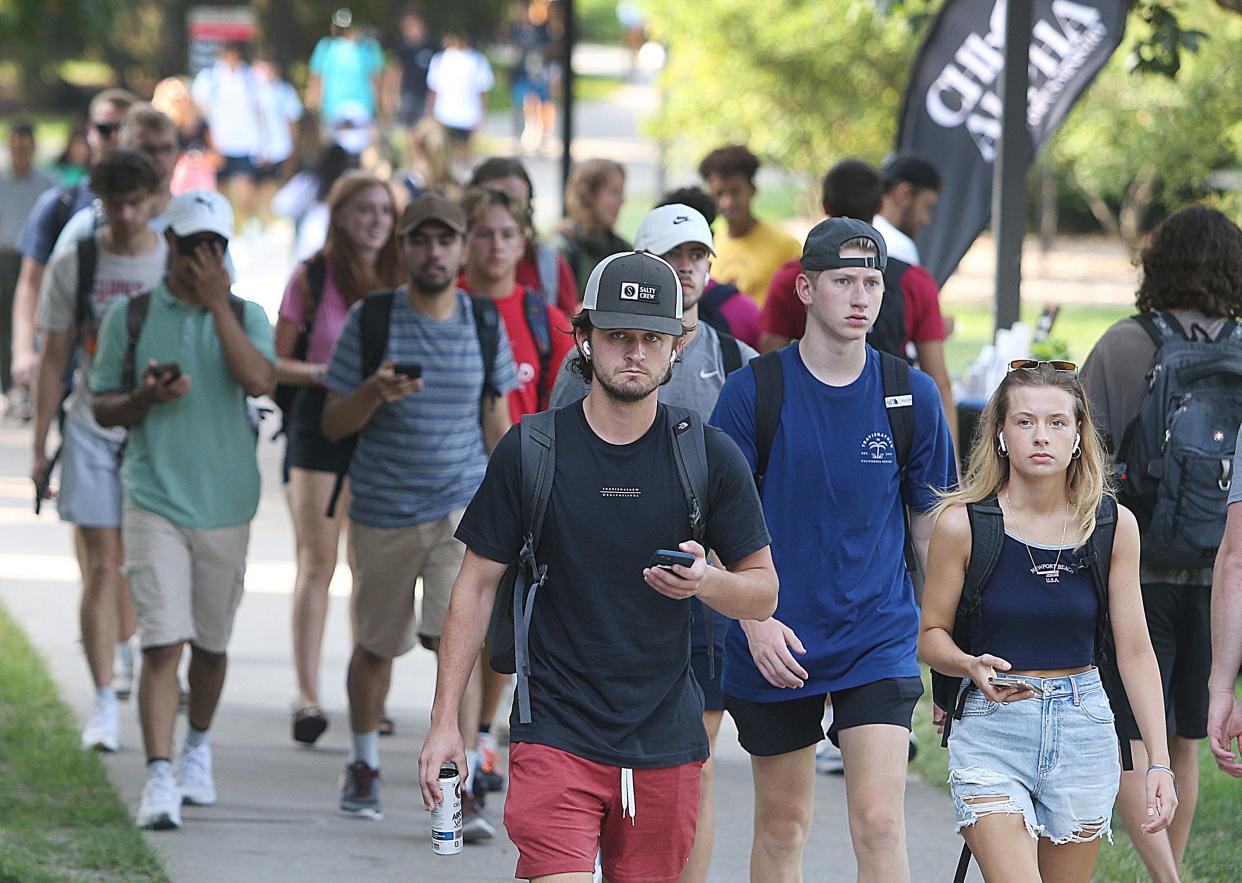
x,y
1055,760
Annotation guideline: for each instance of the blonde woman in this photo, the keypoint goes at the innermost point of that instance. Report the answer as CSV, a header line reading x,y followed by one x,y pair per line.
x,y
360,255
596,192
1033,765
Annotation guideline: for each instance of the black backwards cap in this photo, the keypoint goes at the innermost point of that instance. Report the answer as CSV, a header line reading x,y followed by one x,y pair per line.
x,y
823,245
634,289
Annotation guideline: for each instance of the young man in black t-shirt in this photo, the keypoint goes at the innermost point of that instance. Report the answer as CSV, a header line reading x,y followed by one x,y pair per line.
x,y
614,705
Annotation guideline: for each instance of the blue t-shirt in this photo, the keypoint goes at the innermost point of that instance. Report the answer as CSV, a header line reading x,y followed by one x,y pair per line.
x,y
42,229
347,69
833,499
421,457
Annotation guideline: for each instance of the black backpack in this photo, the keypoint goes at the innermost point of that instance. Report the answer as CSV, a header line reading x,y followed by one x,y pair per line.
x,y
898,404
508,632
286,395
1175,460
888,334
987,538
711,303
373,319
535,309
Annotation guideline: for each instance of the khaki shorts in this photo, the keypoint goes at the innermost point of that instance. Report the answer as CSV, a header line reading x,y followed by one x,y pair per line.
x,y
186,583
390,561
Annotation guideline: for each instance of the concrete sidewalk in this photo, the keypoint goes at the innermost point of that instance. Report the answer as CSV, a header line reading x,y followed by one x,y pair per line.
x,y
277,819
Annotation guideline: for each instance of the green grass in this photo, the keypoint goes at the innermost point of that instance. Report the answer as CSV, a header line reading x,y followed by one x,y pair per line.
x,y
60,819
1078,325
1215,851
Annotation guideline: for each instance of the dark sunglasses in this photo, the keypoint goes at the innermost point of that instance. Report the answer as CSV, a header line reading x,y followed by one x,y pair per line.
x,y
188,245
1032,364
106,130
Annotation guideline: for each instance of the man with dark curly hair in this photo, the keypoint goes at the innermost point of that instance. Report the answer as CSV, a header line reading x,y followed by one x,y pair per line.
x,y
748,250
1192,279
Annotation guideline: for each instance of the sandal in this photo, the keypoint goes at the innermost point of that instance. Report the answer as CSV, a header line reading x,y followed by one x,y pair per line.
x,y
309,724
387,727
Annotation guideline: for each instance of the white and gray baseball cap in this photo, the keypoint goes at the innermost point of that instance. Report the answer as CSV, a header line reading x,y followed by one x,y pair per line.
x,y
669,226
634,289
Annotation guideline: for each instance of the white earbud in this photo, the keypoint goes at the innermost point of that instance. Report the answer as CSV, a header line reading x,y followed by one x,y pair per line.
x,y
1077,452
1003,449
672,357
586,349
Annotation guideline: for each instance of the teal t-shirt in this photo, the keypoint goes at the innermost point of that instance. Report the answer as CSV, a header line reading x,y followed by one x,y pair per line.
x,y
348,69
192,460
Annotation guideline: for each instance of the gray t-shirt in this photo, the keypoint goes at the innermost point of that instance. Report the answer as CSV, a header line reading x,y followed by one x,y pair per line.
x,y
1114,377
116,277
697,377
17,198
1235,489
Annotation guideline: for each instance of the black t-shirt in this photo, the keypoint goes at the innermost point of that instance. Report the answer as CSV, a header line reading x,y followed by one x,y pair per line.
x,y
415,61
610,656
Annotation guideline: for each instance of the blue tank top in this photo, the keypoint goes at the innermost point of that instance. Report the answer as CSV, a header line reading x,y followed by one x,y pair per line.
x,y
1035,624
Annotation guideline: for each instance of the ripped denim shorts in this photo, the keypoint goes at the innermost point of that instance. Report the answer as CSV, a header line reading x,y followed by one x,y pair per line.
x,y
1055,760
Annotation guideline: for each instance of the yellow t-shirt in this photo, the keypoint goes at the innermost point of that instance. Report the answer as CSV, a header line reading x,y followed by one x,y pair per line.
x,y
750,261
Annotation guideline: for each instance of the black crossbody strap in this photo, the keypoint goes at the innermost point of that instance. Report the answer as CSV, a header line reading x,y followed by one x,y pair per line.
x,y
537,443
769,400
690,457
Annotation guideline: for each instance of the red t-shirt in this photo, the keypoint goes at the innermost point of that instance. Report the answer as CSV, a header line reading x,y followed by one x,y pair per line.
x,y
785,315
566,286
525,399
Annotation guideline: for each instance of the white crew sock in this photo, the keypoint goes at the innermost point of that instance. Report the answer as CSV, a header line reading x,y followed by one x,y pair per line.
x,y
105,696
365,748
195,737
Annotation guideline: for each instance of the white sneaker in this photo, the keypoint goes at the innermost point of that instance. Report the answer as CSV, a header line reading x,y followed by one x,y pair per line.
x,y
102,731
194,777
160,808
123,671
828,759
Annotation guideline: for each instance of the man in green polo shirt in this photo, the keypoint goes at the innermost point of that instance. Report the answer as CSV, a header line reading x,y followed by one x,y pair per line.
x,y
191,483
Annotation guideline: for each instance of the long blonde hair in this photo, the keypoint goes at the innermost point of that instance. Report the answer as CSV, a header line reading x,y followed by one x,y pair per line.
x,y
353,277
1088,477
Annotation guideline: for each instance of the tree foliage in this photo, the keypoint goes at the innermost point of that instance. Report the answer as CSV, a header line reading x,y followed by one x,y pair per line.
x,y
1136,140
802,83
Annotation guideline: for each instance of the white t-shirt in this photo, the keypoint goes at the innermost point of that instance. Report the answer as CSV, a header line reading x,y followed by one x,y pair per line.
x,y
460,77
229,99
899,244
117,277
280,106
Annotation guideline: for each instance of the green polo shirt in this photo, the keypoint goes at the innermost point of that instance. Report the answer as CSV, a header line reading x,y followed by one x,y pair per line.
x,y
191,460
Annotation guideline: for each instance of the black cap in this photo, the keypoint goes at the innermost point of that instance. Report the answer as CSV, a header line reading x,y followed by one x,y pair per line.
x,y
634,289
823,245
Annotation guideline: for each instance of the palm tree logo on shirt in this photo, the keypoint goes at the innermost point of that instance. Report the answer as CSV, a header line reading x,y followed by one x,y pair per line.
x,y
877,448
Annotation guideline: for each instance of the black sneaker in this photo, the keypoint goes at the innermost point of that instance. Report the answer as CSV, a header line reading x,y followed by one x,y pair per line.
x,y
473,826
360,791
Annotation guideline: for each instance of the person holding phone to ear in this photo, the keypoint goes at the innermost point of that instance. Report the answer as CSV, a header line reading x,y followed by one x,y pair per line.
x,y
1034,772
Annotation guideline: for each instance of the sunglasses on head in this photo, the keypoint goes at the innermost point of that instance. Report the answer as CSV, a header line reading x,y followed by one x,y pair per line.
x,y
106,130
188,245
1032,364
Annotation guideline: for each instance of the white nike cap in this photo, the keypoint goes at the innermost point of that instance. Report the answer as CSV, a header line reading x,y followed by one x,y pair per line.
x,y
669,226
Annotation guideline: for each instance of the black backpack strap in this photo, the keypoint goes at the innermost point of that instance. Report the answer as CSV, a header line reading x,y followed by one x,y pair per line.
x,y
769,400
88,262
730,352
537,445
899,405
373,318
135,317
487,327
540,325
690,458
963,865
316,275
238,306
1231,328
1099,562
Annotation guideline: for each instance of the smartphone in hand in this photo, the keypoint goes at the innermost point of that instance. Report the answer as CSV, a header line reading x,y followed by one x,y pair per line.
x,y
666,558
165,372
408,370
1017,682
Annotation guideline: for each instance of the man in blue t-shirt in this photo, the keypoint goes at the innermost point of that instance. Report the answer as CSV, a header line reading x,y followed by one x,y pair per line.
x,y
426,421
344,67
846,625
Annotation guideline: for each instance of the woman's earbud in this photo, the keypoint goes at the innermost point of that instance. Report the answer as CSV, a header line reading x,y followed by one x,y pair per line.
x,y
586,349
1077,449
1001,443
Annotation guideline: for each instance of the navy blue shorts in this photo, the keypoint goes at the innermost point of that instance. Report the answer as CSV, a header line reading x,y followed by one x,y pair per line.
x,y
236,165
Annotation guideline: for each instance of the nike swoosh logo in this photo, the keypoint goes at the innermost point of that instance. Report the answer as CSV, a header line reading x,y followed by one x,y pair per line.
x,y
680,219
708,374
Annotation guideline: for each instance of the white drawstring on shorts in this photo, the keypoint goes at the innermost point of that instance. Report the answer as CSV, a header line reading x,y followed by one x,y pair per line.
x,y
628,803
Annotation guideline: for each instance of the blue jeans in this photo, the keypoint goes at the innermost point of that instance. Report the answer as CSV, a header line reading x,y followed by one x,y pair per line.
x,y
1055,760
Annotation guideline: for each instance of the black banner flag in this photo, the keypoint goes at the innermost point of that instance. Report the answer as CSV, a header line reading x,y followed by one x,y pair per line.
x,y
953,107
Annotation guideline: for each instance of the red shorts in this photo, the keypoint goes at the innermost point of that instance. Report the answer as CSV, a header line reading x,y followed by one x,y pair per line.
x,y
562,809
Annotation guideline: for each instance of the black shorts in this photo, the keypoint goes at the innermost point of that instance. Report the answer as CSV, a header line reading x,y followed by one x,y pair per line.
x,y
459,135
1179,619
767,729
713,698
306,446
236,165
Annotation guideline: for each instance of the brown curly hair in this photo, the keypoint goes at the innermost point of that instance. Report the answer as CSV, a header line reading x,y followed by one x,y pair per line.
x,y
1193,261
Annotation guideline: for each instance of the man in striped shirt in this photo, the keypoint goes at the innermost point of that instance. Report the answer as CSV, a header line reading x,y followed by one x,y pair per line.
x,y
426,421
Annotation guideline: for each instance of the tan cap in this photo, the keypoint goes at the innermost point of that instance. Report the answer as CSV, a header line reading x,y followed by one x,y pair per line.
x,y
432,207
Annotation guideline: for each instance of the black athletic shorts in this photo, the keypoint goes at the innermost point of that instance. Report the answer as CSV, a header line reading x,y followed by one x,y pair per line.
x,y
767,729
713,698
306,446
1179,619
